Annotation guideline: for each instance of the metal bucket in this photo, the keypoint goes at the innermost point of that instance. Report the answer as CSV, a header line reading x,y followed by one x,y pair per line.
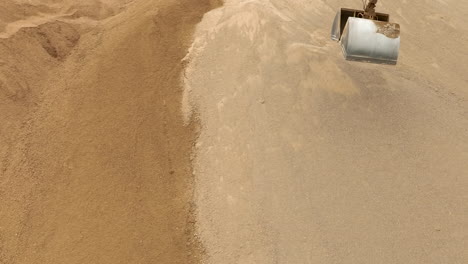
x,y
367,40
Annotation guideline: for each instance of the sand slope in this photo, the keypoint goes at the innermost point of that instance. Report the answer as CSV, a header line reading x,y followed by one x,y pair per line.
x,y
307,158
94,155
300,156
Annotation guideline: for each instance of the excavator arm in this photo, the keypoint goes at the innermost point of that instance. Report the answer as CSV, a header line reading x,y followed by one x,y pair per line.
x,y
369,9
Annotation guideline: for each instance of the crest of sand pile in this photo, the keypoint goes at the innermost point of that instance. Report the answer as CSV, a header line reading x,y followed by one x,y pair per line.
x,y
306,158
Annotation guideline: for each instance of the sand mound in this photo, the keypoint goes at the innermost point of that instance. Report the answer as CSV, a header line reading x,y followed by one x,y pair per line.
x,y
301,157
95,159
307,158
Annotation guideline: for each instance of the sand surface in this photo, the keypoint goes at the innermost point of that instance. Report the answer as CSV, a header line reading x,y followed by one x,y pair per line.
x,y
94,154
307,158
172,131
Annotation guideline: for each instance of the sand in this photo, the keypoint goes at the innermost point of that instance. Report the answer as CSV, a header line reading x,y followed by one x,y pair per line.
x,y
95,158
306,158
181,131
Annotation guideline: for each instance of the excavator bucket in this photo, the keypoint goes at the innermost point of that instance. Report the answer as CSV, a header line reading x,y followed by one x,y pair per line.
x,y
375,41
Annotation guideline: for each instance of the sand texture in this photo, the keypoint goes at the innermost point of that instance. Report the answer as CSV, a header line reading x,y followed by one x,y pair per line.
x,y
306,158
94,154
195,131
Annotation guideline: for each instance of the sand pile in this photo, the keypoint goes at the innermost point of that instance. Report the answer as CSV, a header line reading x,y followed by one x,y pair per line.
x,y
307,158
94,154
300,156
